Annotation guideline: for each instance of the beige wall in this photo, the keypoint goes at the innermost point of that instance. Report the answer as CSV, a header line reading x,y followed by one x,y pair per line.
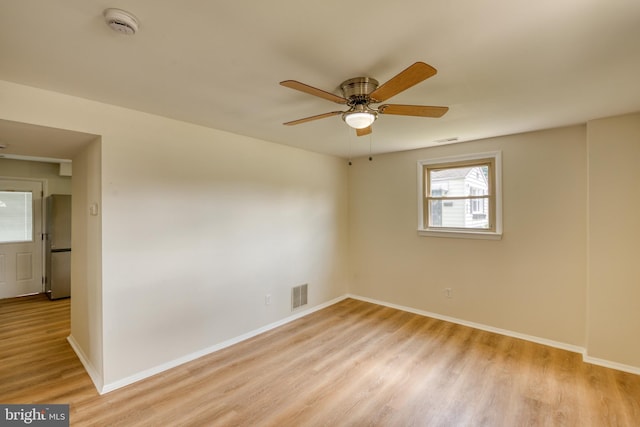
x,y
197,227
86,261
614,238
56,184
566,267
531,282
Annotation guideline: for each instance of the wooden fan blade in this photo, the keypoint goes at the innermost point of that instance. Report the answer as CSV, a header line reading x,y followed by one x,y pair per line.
x,y
364,131
313,91
404,80
308,119
413,110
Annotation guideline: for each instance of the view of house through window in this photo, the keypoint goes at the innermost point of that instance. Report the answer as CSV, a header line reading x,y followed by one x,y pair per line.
x,y
16,216
459,195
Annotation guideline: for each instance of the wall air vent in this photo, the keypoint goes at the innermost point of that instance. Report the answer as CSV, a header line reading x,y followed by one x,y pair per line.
x,y
299,296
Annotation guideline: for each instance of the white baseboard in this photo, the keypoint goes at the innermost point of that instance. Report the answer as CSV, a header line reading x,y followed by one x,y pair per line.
x,y
88,366
102,389
506,332
189,357
563,346
612,365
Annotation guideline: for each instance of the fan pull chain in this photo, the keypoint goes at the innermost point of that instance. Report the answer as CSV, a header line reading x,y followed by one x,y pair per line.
x,y
349,139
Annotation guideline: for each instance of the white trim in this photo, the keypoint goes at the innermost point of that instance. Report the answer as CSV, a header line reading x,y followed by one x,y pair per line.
x,y
93,374
35,158
174,363
563,346
462,234
189,357
611,365
480,326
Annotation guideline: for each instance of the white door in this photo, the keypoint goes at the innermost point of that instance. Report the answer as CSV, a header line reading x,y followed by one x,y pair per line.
x,y
20,238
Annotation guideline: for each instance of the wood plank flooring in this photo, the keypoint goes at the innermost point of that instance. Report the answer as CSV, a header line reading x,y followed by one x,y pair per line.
x,y
352,364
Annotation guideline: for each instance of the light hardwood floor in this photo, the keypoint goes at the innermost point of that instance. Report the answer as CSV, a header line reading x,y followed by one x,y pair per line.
x,y
352,364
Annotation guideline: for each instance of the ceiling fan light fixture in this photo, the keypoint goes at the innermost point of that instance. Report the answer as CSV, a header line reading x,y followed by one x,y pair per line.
x,y
359,119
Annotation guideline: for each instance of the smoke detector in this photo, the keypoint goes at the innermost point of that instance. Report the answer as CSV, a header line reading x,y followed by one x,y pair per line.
x,y
121,21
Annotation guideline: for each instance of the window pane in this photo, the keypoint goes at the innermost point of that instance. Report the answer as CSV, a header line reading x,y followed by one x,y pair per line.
x,y
458,213
16,216
459,182
460,196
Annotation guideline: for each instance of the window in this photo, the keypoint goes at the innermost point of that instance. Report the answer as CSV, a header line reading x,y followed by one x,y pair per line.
x,y
460,196
16,216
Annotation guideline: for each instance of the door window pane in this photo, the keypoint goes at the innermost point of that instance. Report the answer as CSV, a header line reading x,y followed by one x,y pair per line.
x,y
16,216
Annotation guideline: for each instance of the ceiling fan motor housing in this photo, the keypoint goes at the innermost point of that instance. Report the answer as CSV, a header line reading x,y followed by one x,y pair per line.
x,y
357,90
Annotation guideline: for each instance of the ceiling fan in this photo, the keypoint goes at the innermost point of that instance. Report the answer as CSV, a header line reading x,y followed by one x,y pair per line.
x,y
360,92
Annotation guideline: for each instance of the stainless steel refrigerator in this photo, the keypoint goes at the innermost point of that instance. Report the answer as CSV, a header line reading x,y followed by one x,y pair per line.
x,y
58,246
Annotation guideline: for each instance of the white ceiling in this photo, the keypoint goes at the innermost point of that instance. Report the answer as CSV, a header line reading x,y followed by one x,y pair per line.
x,y
40,143
504,66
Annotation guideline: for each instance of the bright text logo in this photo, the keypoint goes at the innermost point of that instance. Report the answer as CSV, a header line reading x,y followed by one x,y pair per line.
x,y
36,415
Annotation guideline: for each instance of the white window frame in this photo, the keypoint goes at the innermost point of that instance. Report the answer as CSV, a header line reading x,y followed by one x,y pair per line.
x,y
425,230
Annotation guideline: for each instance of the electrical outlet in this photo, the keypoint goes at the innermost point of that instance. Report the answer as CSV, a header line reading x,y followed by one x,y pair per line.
x,y
448,292
267,299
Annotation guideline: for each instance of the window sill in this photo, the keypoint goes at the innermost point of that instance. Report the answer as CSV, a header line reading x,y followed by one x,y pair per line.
x,y
459,234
